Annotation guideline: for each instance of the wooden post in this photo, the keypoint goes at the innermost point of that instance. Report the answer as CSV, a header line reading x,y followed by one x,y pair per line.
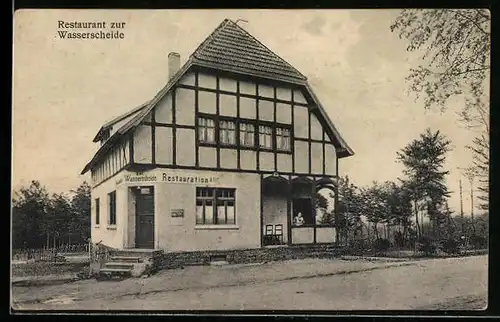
x,y
461,206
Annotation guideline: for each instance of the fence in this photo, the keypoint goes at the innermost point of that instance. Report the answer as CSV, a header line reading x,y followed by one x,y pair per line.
x,y
99,252
95,252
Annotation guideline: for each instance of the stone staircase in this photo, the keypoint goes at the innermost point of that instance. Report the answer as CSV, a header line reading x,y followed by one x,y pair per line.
x,y
124,264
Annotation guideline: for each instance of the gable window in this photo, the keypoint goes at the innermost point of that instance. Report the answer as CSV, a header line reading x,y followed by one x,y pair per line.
x,y
247,135
215,206
206,130
283,139
227,132
97,211
112,208
265,136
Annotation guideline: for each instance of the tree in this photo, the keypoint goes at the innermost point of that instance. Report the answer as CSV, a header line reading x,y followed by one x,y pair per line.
x,y
349,209
80,210
58,218
423,160
399,200
41,220
455,63
29,209
376,205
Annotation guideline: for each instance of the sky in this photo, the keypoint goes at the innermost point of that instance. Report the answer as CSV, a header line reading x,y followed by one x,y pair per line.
x,y
64,90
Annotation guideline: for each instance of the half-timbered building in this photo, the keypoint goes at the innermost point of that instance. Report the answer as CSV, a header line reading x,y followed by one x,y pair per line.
x,y
230,154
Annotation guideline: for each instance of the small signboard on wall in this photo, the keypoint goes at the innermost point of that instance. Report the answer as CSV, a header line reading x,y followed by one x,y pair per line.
x,y
177,212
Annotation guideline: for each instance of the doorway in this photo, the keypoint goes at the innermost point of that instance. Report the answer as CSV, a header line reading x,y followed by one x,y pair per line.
x,y
145,217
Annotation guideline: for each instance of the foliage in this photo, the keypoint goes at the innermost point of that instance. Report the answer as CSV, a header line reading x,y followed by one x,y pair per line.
x,y
427,245
480,148
478,242
381,244
423,160
40,220
349,208
29,208
450,246
456,56
455,63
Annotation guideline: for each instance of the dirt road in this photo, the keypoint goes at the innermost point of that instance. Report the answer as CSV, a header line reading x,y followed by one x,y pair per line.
x,y
459,283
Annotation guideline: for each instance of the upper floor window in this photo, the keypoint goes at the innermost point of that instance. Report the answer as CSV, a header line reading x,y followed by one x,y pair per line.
x,y
265,136
283,139
227,132
247,134
206,130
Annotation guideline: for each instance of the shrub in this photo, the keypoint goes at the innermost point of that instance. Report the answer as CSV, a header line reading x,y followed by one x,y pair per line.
x,y
427,245
450,246
381,245
478,242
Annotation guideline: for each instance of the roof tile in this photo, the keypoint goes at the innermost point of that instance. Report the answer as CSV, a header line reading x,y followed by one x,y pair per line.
x,y
231,46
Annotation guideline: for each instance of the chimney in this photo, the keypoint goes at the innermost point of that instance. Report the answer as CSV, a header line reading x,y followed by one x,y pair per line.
x,y
174,64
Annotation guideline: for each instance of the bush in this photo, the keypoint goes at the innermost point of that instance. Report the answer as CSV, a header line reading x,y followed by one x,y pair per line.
x,y
450,246
381,245
427,245
478,242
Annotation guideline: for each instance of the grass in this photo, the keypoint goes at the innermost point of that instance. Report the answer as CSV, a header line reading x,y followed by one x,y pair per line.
x,y
46,268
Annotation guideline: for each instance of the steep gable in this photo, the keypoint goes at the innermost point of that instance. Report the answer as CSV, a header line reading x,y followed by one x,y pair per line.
x,y
231,48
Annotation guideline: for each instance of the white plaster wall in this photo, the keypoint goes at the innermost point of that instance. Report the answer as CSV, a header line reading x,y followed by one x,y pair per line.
x,y
301,122
112,236
142,144
303,235
182,234
330,160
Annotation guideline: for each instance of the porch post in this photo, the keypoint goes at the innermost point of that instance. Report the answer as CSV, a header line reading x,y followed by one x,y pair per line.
x,y
261,211
313,210
289,209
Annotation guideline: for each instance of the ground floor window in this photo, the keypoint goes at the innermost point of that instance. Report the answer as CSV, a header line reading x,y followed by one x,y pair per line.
x,y
97,211
215,206
112,207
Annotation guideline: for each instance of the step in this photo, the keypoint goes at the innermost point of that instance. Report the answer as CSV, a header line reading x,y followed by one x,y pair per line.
x,y
127,259
115,272
219,263
123,265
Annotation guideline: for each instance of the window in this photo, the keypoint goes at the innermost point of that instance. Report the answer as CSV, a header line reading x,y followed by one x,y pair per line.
x,y
227,132
112,207
282,139
206,130
215,206
247,136
97,211
265,136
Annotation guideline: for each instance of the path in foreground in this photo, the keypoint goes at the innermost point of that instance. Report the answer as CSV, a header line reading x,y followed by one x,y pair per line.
x,y
458,283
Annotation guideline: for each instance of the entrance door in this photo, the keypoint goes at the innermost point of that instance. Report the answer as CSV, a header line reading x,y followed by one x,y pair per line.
x,y
145,218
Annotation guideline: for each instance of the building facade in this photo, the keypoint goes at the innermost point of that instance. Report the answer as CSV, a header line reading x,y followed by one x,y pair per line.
x,y
230,154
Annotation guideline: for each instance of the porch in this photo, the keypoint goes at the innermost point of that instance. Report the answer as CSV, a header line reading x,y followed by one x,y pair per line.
x,y
297,210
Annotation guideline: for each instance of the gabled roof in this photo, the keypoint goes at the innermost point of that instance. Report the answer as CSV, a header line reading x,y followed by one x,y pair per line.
x,y
231,47
228,48
117,119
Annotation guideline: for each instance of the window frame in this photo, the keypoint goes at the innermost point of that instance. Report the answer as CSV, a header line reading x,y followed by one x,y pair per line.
x,y
235,129
213,118
289,136
214,198
97,211
112,208
238,133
